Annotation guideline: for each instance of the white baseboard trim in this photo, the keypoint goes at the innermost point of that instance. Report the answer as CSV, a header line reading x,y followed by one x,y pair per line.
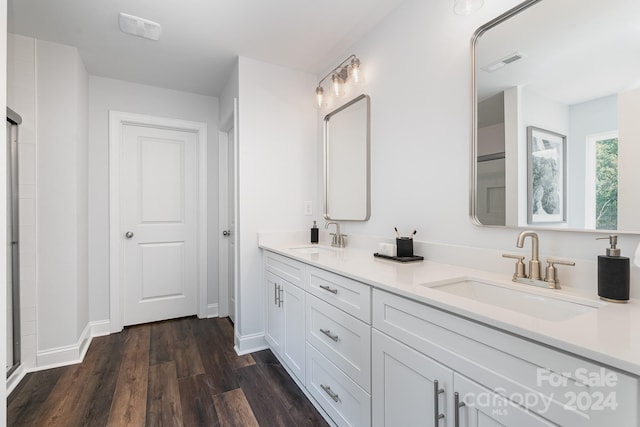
x,y
72,354
212,310
100,328
15,379
67,355
246,344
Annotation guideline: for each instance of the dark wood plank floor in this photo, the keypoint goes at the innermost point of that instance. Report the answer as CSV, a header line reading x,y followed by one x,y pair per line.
x,y
180,372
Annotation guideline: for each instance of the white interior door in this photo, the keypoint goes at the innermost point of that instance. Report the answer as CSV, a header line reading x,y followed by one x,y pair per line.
x,y
227,200
158,215
232,224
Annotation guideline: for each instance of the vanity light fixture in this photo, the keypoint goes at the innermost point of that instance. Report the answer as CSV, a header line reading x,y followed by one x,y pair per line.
x,y
466,7
348,71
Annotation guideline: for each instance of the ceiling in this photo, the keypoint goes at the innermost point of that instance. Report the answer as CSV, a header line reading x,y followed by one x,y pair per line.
x,y
574,50
200,38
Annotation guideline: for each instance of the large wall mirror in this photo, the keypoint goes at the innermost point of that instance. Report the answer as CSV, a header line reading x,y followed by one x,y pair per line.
x,y
346,161
557,117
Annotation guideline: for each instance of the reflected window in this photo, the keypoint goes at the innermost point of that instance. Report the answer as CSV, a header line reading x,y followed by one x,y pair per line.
x,y
602,181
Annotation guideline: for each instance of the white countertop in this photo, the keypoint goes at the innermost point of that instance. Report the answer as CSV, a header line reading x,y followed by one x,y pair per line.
x,y
609,334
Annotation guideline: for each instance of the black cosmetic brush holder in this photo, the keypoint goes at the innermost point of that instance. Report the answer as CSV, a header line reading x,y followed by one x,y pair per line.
x,y
404,246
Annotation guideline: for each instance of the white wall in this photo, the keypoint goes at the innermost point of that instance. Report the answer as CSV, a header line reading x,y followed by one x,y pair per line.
x,y
491,139
544,113
278,170
229,92
61,196
513,151
109,94
21,97
628,158
417,65
82,193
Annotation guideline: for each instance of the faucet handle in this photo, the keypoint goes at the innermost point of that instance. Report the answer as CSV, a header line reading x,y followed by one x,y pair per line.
x,y
551,274
520,268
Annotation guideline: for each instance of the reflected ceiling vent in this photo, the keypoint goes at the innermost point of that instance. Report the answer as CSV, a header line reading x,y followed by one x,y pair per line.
x,y
509,59
140,27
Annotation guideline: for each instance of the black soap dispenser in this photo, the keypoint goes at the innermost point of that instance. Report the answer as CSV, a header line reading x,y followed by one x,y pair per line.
x,y
314,233
613,273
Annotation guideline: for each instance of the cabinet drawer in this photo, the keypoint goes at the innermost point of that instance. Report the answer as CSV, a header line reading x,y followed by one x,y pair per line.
x,y
287,268
345,402
514,366
346,294
342,338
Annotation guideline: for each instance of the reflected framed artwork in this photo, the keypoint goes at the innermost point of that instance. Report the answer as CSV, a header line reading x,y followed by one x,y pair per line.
x,y
546,176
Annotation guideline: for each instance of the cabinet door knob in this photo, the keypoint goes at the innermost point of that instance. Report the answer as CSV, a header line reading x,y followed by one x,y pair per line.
x,y
226,233
128,234
437,416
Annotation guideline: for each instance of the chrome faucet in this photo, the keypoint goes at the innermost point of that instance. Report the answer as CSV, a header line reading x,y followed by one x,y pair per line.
x,y
338,240
534,263
533,278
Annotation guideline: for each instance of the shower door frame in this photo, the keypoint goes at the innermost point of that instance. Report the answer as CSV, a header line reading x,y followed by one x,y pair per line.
x,y
13,235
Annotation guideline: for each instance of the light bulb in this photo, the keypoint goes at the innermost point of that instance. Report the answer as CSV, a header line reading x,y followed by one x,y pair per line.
x,y
355,70
337,85
319,96
466,7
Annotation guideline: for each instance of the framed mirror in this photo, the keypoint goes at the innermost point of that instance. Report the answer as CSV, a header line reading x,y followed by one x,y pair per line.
x,y
556,135
346,161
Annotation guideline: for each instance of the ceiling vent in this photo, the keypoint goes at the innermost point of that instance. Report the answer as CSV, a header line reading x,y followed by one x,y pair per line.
x,y
509,59
140,27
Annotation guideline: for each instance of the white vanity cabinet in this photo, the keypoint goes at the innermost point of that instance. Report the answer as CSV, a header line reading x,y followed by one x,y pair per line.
x,y
501,379
285,311
367,356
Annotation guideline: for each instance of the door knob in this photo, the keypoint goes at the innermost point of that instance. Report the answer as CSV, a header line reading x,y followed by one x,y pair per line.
x,y
226,233
128,234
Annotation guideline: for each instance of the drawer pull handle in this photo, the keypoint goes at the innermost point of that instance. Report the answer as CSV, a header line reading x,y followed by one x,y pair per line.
x,y
328,333
280,300
331,394
328,289
436,412
456,408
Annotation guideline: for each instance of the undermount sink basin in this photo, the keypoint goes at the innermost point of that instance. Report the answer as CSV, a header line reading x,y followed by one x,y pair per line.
x,y
542,307
313,249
